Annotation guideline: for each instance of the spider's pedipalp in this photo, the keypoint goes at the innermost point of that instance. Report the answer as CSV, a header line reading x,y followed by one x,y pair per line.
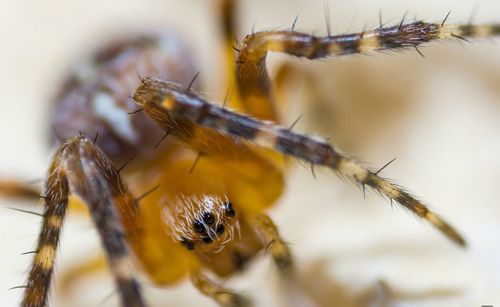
x,y
171,107
224,297
80,168
280,252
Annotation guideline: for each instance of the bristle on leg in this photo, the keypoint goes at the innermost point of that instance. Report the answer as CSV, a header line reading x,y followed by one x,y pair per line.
x,y
80,168
179,111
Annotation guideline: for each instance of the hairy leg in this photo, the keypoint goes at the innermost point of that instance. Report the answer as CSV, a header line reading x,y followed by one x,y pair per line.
x,y
182,113
252,78
56,199
80,168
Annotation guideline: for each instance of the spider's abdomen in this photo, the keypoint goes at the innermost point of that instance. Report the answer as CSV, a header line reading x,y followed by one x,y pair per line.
x,y
96,98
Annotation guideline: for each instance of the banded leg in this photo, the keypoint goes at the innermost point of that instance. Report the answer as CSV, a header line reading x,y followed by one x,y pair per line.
x,y
223,296
56,201
25,191
81,168
251,73
276,246
182,112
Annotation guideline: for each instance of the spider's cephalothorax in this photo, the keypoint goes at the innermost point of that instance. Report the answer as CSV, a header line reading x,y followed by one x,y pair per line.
x,y
214,177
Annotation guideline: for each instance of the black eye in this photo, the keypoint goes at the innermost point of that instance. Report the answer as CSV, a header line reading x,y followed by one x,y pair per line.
x,y
198,226
208,218
229,210
187,243
206,239
219,229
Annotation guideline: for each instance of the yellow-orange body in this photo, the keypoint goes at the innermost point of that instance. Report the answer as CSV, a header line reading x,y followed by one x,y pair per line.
x,y
252,181
250,177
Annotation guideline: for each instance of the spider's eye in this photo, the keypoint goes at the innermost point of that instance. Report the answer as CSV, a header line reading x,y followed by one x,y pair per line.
x,y
219,229
230,210
208,218
198,226
187,243
206,239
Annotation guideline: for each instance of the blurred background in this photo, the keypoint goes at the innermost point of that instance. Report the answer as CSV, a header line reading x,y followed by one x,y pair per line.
x,y
439,115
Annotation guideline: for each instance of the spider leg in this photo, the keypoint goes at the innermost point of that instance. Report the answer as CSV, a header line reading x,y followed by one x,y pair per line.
x,y
42,267
80,168
286,79
223,296
276,246
226,10
265,110
89,266
18,189
252,78
173,108
22,190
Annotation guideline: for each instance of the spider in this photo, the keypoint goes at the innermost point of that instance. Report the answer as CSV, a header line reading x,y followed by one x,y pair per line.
x,y
224,165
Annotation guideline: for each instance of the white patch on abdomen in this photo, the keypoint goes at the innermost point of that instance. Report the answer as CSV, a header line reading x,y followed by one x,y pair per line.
x,y
106,108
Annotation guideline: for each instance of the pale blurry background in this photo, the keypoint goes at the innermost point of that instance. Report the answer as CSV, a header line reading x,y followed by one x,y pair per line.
x,y
440,115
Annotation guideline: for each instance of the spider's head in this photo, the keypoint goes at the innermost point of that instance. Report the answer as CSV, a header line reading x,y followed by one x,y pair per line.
x,y
204,224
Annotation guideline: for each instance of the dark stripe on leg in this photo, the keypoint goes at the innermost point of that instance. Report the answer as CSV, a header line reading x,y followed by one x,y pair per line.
x,y
56,199
268,135
95,180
